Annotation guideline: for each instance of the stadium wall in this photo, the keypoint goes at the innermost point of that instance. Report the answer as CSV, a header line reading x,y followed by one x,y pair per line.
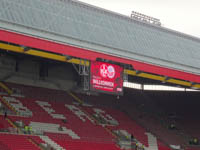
x,y
54,47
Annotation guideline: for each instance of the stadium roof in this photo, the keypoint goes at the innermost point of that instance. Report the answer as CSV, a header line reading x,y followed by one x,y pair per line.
x,y
85,26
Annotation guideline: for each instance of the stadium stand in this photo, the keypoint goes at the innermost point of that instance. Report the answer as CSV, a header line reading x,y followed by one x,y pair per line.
x,y
143,108
17,142
184,115
56,118
148,115
47,114
46,118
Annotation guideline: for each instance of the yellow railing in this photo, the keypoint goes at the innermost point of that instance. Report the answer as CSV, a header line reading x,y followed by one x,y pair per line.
x,y
8,105
6,88
34,143
75,97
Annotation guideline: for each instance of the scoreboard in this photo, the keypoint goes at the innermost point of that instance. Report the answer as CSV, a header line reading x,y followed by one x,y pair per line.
x,y
105,77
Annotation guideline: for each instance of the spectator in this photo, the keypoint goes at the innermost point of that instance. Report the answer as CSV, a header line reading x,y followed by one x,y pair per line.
x,y
132,137
191,141
30,130
136,146
195,141
64,121
5,114
60,128
26,129
142,147
172,126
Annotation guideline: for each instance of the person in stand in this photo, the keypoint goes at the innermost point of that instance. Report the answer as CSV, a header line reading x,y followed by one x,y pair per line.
x,y
136,146
132,137
196,141
142,147
5,114
30,130
26,128
172,126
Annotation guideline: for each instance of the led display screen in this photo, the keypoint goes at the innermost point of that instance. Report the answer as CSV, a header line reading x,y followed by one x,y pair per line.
x,y
106,77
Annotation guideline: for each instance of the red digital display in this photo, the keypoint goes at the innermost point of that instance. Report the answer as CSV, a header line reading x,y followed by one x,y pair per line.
x,y
106,77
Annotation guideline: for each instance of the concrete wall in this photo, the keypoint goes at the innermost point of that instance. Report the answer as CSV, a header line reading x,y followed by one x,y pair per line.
x,y
27,70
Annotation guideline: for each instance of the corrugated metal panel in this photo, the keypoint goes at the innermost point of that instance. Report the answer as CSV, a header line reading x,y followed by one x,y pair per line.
x,y
75,20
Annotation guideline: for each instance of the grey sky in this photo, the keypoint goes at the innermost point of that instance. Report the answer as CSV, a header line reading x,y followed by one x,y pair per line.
x,y
180,15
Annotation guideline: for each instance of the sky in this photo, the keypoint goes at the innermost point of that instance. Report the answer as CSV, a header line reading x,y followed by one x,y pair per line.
x,y
179,15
